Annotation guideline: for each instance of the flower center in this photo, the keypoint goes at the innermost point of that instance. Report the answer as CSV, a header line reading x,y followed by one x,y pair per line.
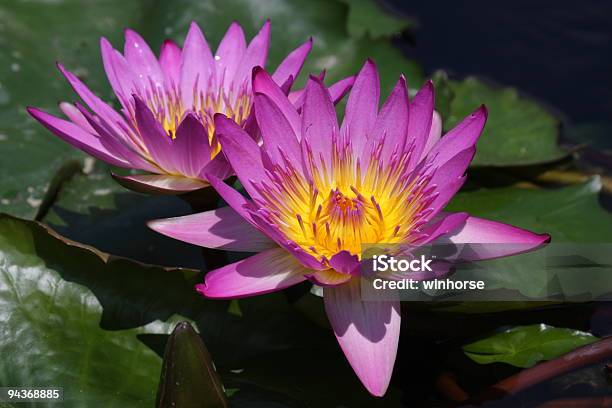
x,y
342,207
170,110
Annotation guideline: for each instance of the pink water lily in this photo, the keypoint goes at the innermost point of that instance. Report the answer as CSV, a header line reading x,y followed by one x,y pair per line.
x,y
318,191
166,125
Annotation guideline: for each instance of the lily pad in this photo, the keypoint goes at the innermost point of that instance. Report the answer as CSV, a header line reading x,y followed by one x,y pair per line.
x,y
569,215
367,17
33,36
519,131
524,346
51,334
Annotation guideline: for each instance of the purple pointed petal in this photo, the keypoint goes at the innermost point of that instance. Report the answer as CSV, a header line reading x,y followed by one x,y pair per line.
x,y
155,138
344,262
142,60
170,63
319,122
268,271
264,84
233,198
444,224
368,333
461,137
222,228
293,63
435,133
77,137
255,55
76,117
493,239
197,65
337,90
116,145
279,139
449,178
163,184
191,148
230,52
218,167
362,107
391,124
421,111
242,152
119,73
107,115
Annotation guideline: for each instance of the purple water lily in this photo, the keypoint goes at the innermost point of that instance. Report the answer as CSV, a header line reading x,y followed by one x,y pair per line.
x,y
166,128
319,191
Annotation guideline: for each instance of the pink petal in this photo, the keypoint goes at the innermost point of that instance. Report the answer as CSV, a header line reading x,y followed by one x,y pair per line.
x,y
344,262
163,184
319,122
106,114
255,55
434,134
421,112
493,239
191,148
264,84
461,137
222,228
449,177
268,271
242,152
233,198
77,137
142,60
280,142
155,138
293,63
444,224
218,167
337,90
368,333
76,117
362,107
170,63
197,65
229,54
115,144
391,124
119,73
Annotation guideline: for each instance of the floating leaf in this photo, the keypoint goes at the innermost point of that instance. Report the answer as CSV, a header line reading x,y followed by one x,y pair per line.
x,y
367,17
524,346
518,130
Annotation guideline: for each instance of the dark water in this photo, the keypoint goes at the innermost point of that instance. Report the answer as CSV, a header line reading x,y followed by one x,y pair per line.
x,y
559,52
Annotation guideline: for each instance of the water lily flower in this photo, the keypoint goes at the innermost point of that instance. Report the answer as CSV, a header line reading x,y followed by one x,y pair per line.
x,y
318,191
166,125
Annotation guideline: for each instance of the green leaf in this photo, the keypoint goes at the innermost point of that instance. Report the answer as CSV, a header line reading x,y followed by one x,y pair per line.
x,y
368,17
51,333
524,346
188,377
569,215
33,36
518,130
